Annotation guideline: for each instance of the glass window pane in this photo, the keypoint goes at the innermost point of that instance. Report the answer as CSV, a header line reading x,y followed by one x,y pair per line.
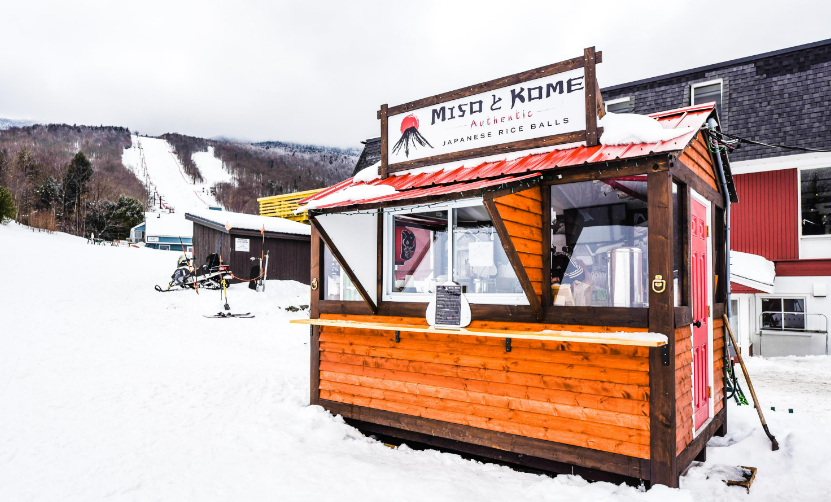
x,y
599,243
794,305
708,94
771,305
336,284
772,321
479,261
816,201
794,321
622,107
420,253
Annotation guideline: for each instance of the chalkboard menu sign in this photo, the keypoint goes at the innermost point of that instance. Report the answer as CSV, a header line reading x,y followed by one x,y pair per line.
x,y
449,306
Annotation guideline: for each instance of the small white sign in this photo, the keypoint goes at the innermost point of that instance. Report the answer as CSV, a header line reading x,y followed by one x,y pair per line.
x,y
152,239
241,244
481,254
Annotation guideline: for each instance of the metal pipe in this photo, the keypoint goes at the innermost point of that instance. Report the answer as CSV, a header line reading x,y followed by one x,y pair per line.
x,y
727,308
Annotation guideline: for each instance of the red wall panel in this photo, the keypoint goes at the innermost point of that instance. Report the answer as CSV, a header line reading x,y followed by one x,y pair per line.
x,y
765,220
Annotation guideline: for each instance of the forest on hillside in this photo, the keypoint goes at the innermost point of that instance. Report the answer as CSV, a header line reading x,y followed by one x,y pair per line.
x,y
71,178
264,169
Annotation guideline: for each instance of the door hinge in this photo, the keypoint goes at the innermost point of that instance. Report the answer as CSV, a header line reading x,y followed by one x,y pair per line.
x,y
709,391
708,230
708,311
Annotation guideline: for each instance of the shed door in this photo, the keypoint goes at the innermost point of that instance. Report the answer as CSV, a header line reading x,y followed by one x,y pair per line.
x,y
701,351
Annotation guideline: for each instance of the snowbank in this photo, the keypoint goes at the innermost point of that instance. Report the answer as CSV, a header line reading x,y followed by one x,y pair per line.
x,y
752,271
628,128
167,225
252,222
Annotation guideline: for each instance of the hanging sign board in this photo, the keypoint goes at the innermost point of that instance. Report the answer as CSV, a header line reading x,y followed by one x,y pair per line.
x,y
551,105
241,244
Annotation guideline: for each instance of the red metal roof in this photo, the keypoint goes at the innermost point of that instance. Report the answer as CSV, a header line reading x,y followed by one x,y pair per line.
x,y
415,184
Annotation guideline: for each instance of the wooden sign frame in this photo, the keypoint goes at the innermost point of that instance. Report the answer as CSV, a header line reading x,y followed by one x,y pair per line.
x,y
591,135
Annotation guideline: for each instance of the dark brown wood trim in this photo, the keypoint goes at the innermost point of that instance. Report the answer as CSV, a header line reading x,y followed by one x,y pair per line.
x,y
546,247
513,257
718,310
698,444
513,146
573,316
592,136
314,307
601,105
661,320
683,316
491,85
683,173
383,114
557,452
343,264
605,170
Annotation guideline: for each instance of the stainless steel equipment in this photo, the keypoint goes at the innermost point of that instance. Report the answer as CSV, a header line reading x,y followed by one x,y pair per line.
x,y
625,277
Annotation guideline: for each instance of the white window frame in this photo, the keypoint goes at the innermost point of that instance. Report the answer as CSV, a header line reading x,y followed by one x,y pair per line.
x,y
783,331
693,87
616,101
390,296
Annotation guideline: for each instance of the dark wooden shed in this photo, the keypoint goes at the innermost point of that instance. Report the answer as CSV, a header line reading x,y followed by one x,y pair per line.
x,y
286,242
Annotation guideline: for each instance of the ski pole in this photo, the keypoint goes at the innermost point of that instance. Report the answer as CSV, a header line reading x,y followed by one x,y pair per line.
x,y
775,445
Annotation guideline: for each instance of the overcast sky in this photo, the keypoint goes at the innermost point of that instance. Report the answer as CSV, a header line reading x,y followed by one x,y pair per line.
x,y
316,72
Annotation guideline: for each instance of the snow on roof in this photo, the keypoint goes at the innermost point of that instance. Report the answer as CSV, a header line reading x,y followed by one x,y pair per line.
x,y
167,225
624,137
752,271
244,221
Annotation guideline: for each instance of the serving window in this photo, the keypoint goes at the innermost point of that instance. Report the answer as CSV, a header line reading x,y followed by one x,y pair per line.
x,y
452,242
599,243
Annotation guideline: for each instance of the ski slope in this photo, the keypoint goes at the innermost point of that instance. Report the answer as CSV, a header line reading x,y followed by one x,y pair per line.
x,y
110,390
152,161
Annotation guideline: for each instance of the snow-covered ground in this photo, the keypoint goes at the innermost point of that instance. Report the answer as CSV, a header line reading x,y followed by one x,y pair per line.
x,y
109,389
153,160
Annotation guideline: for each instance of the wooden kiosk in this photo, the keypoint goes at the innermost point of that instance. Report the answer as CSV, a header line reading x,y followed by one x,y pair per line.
x,y
594,275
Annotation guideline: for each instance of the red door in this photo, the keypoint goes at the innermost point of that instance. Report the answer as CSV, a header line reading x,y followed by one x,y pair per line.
x,y
701,350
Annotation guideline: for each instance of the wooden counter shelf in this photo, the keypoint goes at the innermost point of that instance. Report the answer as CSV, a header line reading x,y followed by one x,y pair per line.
x,y
555,336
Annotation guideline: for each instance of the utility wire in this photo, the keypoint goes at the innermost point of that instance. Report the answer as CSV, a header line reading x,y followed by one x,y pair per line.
x,y
731,141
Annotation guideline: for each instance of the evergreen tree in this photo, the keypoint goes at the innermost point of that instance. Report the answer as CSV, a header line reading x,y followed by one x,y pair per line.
x,y
7,209
75,185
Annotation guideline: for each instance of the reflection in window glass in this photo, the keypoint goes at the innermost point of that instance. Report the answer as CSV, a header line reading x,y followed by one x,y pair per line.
x,y
708,94
336,284
479,261
816,194
599,243
420,252
783,313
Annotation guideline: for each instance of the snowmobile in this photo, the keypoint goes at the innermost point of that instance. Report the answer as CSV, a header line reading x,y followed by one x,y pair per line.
x,y
207,276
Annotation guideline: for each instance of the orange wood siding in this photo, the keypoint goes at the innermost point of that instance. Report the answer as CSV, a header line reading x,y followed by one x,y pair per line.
x,y
522,214
590,395
683,388
697,158
718,364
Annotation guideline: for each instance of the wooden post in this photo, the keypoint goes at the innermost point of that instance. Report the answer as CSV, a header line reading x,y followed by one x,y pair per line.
x,y
314,313
591,97
662,456
384,169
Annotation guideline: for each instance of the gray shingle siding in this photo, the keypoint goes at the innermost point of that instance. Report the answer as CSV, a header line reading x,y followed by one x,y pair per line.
x,y
782,98
370,155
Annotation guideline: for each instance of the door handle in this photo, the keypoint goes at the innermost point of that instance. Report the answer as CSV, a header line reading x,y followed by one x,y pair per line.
x,y
697,324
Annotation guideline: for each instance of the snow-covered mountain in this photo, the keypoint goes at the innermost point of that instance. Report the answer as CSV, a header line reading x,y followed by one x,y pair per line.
x,y
9,123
